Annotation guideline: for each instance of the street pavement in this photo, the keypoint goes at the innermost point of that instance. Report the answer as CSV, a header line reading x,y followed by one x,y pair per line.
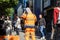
x,y
38,36
22,36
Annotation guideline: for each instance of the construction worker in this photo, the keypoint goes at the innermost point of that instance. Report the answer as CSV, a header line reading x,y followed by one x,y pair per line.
x,y
30,20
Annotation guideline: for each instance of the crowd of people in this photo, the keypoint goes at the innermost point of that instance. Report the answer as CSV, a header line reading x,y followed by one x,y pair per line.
x,y
29,24
30,19
8,25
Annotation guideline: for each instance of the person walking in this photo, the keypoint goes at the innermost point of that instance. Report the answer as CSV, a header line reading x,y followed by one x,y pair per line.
x,y
56,20
17,25
53,30
8,25
29,25
42,24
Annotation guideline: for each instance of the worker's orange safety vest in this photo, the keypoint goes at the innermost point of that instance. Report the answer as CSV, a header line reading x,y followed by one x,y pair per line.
x,y
30,19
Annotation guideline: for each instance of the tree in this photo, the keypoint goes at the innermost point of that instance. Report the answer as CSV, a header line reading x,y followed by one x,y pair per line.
x,y
7,5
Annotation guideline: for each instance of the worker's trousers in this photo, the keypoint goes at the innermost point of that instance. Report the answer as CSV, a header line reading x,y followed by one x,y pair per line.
x,y
30,33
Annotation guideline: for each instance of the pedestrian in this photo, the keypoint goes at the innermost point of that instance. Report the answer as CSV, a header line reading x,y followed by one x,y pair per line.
x,y
53,30
17,25
42,24
2,31
29,25
8,25
56,19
